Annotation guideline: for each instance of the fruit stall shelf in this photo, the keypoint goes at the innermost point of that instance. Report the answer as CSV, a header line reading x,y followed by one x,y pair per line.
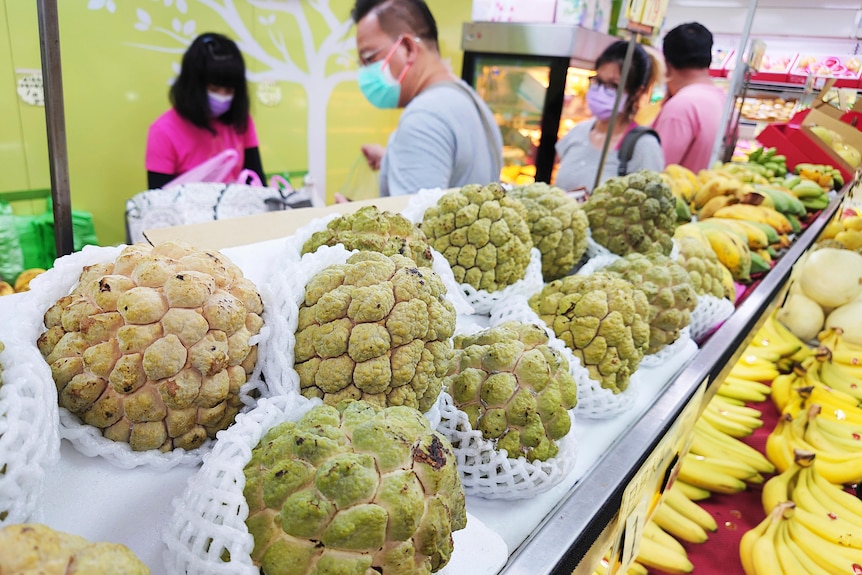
x,y
586,523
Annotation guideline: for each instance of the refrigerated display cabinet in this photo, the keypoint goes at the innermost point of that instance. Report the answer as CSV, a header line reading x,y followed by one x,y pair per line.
x,y
534,78
595,515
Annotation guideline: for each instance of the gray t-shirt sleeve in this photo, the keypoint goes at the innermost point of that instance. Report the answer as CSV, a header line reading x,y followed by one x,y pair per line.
x,y
422,148
647,155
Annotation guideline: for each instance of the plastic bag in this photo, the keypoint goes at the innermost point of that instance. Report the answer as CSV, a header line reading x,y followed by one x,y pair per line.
x,y
362,182
216,169
11,255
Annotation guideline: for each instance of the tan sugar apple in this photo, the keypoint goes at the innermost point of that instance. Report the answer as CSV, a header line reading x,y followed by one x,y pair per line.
x,y
377,328
153,348
669,291
704,269
634,213
558,227
354,490
514,388
33,548
603,319
369,229
483,234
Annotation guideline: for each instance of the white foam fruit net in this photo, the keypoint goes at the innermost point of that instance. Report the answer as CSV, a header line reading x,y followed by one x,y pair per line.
x,y
209,517
709,313
662,356
29,439
594,401
45,290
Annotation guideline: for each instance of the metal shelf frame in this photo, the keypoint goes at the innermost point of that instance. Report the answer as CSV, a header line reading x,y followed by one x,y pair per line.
x,y
576,534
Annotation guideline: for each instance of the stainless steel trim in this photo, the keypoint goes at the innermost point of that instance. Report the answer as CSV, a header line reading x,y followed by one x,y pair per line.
x,y
582,45
567,530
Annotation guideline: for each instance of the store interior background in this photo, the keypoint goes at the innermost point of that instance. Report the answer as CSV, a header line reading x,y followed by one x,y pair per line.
x,y
119,57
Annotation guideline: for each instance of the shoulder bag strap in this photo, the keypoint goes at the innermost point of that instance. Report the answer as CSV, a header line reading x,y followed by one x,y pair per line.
x,y
496,162
627,146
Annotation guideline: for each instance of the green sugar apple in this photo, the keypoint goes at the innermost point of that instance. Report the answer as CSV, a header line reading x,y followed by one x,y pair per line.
x,y
633,213
558,227
370,229
377,328
483,234
514,388
702,266
603,319
354,490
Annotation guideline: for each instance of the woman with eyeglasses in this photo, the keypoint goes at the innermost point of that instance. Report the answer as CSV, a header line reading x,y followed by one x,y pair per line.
x,y
580,150
209,114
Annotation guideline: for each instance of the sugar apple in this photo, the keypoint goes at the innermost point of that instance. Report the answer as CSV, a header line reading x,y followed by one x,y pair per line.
x,y
483,234
376,328
669,291
702,265
153,348
603,319
514,388
37,549
634,213
373,230
357,489
558,227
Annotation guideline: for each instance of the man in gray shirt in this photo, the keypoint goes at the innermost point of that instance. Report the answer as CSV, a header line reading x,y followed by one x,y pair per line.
x,y
447,135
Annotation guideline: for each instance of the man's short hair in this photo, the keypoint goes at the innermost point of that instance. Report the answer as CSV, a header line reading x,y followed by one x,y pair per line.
x,y
688,46
396,17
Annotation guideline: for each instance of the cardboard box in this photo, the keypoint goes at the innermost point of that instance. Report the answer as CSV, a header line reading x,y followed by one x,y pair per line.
x,y
220,234
542,11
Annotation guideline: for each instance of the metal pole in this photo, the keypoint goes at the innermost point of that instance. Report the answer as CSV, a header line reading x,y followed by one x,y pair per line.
x,y
735,83
52,80
624,74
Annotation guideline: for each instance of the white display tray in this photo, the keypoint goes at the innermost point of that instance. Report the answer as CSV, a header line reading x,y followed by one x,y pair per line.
x,y
94,499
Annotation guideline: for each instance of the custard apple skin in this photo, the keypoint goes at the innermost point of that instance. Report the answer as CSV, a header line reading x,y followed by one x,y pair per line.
x,y
603,319
483,234
558,227
353,489
369,229
377,328
633,213
35,548
153,348
702,265
514,388
668,288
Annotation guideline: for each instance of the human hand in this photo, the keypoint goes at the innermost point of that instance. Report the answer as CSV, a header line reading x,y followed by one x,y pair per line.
x,y
373,154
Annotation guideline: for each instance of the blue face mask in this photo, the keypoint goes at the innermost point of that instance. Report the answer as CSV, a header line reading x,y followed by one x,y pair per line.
x,y
378,85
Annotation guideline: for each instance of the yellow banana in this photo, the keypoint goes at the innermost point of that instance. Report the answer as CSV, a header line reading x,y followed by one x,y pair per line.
x,y
833,338
636,569
793,560
773,331
737,469
732,252
692,491
679,525
782,387
726,425
740,392
837,530
714,187
742,409
662,537
757,372
816,436
746,546
677,500
6,289
831,556
713,205
755,236
762,214
651,554
727,411
715,443
753,382
707,478
764,551
834,500
779,488
842,429
691,230
841,378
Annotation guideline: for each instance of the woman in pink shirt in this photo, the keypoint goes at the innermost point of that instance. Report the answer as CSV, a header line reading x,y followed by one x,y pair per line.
x,y
209,114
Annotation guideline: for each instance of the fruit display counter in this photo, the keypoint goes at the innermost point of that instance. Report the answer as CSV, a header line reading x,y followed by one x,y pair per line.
x,y
155,348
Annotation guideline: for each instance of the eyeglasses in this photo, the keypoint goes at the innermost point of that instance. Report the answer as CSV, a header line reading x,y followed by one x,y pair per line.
x,y
367,58
596,81
216,48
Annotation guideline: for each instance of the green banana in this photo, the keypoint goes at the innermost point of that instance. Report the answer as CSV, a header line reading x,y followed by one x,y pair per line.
x,y
758,264
794,222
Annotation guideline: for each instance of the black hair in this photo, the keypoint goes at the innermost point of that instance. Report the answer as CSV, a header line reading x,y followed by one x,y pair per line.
x,y
211,59
398,17
639,71
688,46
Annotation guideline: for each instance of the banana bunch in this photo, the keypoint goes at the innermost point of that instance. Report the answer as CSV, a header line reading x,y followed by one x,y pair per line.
x,y
813,196
603,568
835,462
825,176
719,184
691,230
660,550
773,340
846,231
681,181
762,241
732,251
772,164
825,523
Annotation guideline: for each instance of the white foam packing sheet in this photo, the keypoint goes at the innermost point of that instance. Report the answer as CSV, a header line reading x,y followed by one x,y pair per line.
x,y
94,499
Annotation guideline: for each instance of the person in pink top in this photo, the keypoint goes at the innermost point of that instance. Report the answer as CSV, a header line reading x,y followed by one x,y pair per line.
x,y
688,123
209,114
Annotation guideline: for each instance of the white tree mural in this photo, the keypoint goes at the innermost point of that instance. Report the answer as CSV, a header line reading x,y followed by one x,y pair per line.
x,y
278,63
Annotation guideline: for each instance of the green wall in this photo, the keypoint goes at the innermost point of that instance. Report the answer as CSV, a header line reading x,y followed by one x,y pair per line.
x,y
119,57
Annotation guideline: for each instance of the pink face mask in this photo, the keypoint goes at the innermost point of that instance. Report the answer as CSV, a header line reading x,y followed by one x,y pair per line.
x,y
219,104
600,99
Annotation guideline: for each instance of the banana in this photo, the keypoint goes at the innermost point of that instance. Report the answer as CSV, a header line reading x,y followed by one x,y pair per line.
x,y
842,429
6,289
662,537
841,378
836,530
732,251
817,437
755,236
726,425
746,546
651,554
713,205
691,491
691,230
698,474
720,185
712,442
753,376
780,488
835,500
719,465
829,555
743,410
679,525
775,198
809,566
740,392
760,214
764,551
806,189
782,387
677,500
636,569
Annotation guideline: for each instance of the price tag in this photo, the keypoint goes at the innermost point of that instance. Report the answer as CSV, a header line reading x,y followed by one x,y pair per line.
x,y
649,13
647,487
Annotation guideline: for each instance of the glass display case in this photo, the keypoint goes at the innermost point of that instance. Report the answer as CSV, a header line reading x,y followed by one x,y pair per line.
x,y
534,78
